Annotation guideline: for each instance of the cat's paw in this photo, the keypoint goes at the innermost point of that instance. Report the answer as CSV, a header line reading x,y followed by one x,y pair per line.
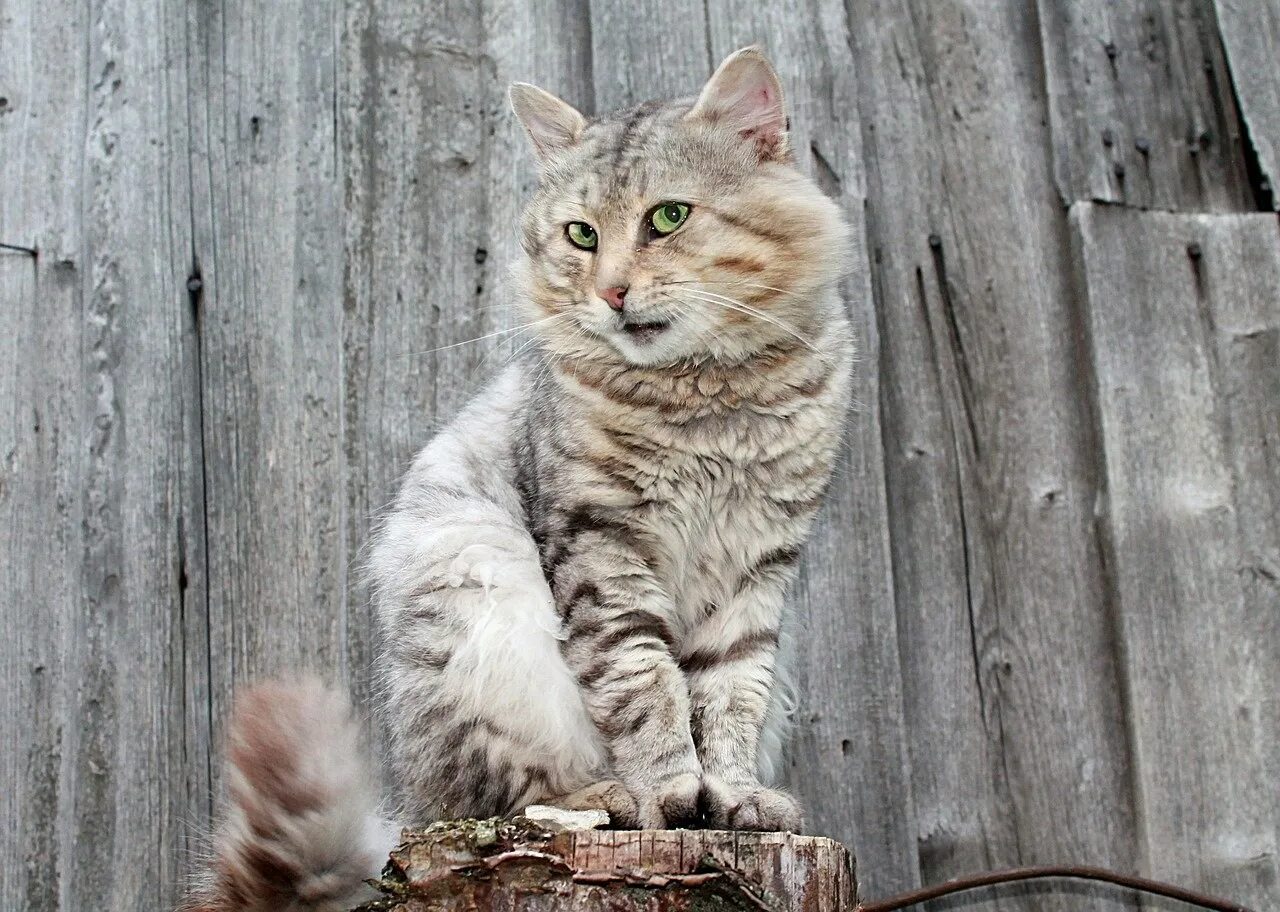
x,y
749,806
609,796
671,804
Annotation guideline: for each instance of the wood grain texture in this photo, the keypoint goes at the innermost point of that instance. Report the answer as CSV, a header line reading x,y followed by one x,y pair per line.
x,y
101,574
1171,299
434,172
850,728
987,444
1245,320
261,91
849,719
1250,35
475,864
1141,107
649,49
990,673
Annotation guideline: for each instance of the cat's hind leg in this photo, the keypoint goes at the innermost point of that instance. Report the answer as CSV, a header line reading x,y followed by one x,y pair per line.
x,y
484,714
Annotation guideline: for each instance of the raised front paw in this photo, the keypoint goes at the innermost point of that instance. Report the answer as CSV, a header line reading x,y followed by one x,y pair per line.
x,y
749,806
670,804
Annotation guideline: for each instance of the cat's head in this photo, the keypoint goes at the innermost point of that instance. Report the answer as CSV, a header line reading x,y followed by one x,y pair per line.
x,y
678,231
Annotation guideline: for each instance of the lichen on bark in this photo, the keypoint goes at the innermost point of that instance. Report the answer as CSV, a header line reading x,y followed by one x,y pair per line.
x,y
515,864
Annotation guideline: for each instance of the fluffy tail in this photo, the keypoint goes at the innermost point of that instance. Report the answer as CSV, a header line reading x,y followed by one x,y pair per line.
x,y
301,832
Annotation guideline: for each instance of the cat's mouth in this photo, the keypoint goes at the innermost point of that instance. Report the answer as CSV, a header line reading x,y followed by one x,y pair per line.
x,y
646,331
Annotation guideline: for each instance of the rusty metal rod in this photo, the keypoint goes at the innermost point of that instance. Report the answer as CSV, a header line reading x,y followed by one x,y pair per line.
x,y
1014,875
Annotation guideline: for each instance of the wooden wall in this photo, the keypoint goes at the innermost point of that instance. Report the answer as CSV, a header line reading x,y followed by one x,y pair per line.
x,y
1044,604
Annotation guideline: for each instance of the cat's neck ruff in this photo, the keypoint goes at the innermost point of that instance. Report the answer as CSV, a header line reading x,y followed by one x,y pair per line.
x,y
773,383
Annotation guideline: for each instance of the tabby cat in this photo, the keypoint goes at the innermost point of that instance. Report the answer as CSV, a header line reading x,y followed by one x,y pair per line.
x,y
581,583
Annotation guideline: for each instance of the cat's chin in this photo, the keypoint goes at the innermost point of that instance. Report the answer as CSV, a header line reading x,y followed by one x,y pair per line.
x,y
651,345
646,344
653,348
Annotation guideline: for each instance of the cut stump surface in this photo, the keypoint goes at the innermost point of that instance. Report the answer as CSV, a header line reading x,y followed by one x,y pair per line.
x,y
515,865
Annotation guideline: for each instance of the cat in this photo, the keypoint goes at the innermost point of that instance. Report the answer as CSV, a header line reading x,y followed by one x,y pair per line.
x,y
581,583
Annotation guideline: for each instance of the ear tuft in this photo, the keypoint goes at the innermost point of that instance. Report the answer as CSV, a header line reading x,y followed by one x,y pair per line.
x,y
746,94
552,124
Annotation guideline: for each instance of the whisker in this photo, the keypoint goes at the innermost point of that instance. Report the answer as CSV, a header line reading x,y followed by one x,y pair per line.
x,y
521,349
730,300
739,284
733,304
500,332
781,291
687,306
553,359
524,345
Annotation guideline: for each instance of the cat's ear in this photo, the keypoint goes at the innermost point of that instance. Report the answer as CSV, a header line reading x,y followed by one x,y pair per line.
x,y
745,94
553,125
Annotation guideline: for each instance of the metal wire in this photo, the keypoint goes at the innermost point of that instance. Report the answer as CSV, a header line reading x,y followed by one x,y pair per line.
x,y
1013,875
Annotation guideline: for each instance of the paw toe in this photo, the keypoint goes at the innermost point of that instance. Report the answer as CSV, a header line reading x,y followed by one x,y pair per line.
x,y
777,811
679,801
750,807
623,810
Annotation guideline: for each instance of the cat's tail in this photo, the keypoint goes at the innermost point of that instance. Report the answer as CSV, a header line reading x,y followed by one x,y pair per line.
x,y
301,830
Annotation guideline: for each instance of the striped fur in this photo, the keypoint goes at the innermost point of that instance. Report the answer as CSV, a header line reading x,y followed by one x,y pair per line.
x,y
582,579
581,582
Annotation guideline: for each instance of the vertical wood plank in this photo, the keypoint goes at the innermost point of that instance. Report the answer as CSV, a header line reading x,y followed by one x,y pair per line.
x,y
39,456
37,489
267,255
649,49
1242,295
434,169
1251,37
1011,699
849,760
1141,107
1168,296
850,719
257,223
102,580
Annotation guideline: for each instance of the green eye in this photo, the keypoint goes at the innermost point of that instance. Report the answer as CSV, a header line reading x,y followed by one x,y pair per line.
x,y
668,217
581,235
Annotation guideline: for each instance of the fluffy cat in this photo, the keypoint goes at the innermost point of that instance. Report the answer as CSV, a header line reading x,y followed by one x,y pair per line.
x,y
581,583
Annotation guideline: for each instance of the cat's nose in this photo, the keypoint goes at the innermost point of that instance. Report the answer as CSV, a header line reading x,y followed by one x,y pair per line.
x,y
615,296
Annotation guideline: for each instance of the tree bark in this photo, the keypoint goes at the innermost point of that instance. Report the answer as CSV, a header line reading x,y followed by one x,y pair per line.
x,y
517,866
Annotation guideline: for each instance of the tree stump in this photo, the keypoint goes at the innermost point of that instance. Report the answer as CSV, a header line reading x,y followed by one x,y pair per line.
x,y
518,866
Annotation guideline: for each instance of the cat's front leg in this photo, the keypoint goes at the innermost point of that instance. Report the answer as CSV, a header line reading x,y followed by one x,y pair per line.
x,y
729,663
619,643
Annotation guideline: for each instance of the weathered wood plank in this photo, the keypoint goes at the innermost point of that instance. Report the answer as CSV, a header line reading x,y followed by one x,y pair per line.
x,y
1251,37
1178,309
37,489
1140,105
434,168
649,49
1011,700
343,181
101,590
1245,324
268,258
417,107
850,730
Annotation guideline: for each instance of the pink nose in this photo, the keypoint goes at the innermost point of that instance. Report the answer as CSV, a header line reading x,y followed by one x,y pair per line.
x,y
614,296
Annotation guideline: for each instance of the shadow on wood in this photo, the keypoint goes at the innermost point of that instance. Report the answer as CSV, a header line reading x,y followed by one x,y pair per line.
x,y
514,864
